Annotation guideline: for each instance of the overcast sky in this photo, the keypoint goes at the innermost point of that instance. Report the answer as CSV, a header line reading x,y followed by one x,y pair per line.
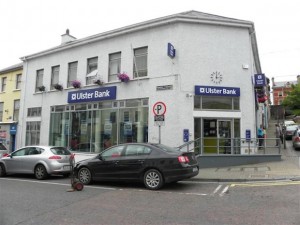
x,y
30,26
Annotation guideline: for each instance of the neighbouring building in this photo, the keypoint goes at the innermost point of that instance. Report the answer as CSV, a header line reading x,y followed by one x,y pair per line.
x,y
191,76
10,94
281,89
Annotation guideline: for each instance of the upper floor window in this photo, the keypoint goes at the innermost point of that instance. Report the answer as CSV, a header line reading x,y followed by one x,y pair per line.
x,y
3,84
1,111
33,112
114,66
16,110
54,76
140,64
39,79
18,81
72,73
92,65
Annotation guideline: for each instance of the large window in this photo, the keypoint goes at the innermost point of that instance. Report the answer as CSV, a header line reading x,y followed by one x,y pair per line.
x,y
18,81
33,133
72,73
39,80
16,110
3,84
114,66
97,126
92,65
140,65
34,112
54,76
216,103
1,111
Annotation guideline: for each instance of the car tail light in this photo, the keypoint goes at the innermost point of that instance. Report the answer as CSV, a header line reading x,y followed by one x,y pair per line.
x,y
297,139
5,155
183,159
55,157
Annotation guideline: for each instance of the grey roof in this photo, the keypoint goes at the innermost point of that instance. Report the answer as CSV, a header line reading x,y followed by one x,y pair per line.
x,y
12,68
284,83
185,17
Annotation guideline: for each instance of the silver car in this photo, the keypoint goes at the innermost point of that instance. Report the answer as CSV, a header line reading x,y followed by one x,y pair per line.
x,y
38,160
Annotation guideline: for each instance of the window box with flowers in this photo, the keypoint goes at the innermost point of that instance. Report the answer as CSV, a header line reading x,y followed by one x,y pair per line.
x,y
123,77
58,87
42,88
76,83
99,82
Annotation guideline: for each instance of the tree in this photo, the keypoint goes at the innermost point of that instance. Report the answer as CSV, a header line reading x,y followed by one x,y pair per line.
x,y
292,100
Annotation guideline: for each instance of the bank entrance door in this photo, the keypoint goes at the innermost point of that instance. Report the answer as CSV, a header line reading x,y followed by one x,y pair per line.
x,y
224,136
217,135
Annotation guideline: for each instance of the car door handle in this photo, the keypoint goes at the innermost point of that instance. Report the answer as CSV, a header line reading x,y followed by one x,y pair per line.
x,y
116,162
141,161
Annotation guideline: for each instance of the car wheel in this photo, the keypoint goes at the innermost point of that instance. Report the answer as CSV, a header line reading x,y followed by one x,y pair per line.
x,y
40,172
153,179
2,170
84,175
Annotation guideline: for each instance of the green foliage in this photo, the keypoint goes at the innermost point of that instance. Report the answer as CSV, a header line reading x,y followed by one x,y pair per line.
x,y
292,101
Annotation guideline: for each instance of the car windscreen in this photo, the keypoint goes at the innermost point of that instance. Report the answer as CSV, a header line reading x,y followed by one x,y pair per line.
x,y
166,148
60,151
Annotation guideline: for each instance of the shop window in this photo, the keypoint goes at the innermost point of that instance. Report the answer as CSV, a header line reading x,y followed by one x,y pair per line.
x,y
54,76
216,103
140,64
114,66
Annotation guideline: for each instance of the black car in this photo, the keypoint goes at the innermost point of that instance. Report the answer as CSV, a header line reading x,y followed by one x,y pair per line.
x,y
152,164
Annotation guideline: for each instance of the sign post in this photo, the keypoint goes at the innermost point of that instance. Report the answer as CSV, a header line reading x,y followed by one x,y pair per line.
x,y
159,110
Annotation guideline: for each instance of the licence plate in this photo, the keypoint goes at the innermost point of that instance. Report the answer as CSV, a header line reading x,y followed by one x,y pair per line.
x,y
195,169
67,167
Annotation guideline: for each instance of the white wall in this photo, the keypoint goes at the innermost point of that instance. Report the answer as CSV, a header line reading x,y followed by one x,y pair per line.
x,y
200,51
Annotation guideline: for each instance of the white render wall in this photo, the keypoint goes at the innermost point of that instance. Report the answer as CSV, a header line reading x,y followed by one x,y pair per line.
x,y
200,51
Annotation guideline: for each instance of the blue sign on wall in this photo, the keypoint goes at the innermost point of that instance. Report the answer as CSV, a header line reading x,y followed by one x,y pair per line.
x,y
13,129
248,135
217,91
97,94
259,80
171,50
186,135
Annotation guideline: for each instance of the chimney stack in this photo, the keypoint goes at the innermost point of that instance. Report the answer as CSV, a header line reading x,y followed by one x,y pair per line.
x,y
298,79
273,83
66,38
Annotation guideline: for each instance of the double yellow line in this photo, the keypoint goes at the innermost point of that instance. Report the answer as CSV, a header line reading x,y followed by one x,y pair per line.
x,y
265,184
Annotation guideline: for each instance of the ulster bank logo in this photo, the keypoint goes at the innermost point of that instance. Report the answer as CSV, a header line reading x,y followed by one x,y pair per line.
x,y
202,90
98,94
73,97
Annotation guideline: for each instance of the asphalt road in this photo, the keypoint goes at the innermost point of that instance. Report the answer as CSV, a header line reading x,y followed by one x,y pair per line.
x,y
26,201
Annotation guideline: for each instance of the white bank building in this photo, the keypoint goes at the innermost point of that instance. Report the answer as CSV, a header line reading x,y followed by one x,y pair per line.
x,y
191,77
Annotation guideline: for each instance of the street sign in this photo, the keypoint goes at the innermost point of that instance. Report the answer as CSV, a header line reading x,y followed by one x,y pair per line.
x,y
159,108
159,118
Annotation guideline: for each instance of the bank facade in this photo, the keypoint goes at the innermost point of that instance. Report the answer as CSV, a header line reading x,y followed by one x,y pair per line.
x,y
199,68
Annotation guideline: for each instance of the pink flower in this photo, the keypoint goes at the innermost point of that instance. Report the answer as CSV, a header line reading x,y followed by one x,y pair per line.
x,y
123,77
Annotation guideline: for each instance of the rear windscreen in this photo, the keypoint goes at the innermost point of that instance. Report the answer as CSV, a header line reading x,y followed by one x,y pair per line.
x,y
60,151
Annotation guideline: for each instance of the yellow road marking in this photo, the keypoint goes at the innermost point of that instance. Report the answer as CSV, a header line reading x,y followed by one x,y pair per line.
x,y
265,184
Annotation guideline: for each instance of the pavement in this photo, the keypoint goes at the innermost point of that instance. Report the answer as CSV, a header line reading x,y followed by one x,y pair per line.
x,y
286,169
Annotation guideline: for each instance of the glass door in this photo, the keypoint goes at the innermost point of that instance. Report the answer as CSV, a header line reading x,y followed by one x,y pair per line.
x,y
224,136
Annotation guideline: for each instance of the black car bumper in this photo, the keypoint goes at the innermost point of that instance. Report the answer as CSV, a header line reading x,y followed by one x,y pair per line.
x,y
181,174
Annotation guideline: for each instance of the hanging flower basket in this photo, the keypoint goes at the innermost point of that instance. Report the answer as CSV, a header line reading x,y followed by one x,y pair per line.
x,y
42,88
263,99
58,87
99,82
76,83
123,77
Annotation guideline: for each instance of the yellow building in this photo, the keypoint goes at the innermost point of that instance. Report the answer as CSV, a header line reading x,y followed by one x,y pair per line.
x,y
10,93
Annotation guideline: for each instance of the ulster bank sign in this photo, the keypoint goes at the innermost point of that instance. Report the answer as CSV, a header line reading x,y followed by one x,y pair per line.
x,y
217,91
97,94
